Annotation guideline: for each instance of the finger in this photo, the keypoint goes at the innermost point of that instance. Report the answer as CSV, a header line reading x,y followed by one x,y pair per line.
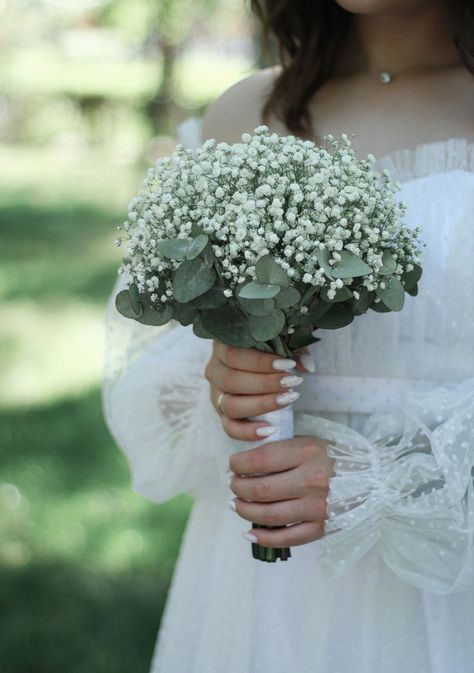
x,y
244,430
240,382
280,513
267,488
273,456
243,406
253,360
289,536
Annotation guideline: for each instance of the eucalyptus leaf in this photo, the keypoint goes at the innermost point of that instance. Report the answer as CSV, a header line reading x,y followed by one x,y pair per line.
x,y
257,306
379,307
135,300
339,315
361,305
184,313
308,293
124,305
173,248
150,316
196,246
288,297
264,328
323,259
196,230
199,330
389,264
213,298
257,290
191,279
350,266
229,325
410,278
393,294
302,337
268,271
262,346
341,294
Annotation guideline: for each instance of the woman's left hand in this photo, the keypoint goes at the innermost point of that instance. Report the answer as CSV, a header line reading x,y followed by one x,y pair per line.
x,y
294,493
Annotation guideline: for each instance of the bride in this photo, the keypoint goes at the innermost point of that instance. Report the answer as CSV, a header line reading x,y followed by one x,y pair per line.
x,y
377,483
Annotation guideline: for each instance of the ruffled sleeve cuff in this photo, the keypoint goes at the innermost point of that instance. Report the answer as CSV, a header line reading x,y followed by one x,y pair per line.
x,y
405,488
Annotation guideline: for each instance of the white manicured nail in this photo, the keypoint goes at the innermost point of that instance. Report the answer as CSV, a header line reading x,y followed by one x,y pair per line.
x,y
308,363
290,381
228,468
229,480
232,506
287,398
265,431
284,363
250,537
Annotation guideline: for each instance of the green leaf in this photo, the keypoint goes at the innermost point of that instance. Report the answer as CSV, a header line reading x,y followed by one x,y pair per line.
x,y
124,305
199,330
379,307
213,298
302,337
308,293
184,313
342,294
323,259
156,318
389,264
268,271
256,290
135,300
191,279
173,248
361,305
196,230
410,278
229,325
317,308
196,246
262,346
257,306
288,297
393,294
264,328
339,315
350,266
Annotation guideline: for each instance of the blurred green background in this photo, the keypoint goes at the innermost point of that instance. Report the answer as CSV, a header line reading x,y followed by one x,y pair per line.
x,y
90,95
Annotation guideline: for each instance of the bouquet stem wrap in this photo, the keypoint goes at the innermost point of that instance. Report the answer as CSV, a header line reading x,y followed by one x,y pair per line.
x,y
283,419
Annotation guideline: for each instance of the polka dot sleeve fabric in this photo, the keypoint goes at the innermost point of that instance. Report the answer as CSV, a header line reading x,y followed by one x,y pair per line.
x,y
405,487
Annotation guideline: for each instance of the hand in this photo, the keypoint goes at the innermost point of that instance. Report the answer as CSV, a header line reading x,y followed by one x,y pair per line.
x,y
294,493
253,383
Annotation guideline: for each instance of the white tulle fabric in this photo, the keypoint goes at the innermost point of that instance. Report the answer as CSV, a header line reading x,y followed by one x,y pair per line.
x,y
390,585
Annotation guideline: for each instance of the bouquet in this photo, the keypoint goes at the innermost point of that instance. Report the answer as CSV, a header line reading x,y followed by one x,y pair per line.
x,y
260,243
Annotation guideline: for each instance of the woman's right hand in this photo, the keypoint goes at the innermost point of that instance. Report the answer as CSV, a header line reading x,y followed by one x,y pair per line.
x,y
253,382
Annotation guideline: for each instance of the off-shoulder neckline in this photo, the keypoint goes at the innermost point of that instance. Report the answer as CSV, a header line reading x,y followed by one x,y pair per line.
x,y
410,163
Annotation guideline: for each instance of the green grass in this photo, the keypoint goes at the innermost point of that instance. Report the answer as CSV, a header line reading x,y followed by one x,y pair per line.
x,y
85,563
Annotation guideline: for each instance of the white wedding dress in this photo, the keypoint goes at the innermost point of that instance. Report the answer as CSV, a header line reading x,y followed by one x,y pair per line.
x,y
390,587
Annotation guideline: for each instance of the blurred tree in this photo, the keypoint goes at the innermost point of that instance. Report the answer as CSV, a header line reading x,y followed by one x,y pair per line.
x,y
163,27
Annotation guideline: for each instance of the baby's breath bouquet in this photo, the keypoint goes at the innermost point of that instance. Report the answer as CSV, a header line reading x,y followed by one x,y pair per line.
x,y
260,243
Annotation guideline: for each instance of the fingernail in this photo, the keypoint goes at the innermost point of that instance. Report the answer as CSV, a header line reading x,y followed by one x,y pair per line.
x,y
284,363
229,480
232,506
287,398
250,537
290,381
265,431
228,468
308,363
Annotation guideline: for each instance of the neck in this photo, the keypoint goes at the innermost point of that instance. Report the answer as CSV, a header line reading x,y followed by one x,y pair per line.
x,y
416,39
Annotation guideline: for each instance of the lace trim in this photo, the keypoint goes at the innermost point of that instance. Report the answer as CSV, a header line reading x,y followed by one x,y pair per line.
x,y
441,156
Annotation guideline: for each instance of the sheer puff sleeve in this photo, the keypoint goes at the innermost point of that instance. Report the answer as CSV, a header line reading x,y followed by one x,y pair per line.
x,y
405,487
157,406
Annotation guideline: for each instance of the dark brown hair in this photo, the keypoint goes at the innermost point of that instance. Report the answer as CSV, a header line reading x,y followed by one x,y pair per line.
x,y
308,35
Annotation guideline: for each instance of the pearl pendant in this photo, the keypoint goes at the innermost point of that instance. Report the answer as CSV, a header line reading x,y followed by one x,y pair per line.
x,y
385,77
